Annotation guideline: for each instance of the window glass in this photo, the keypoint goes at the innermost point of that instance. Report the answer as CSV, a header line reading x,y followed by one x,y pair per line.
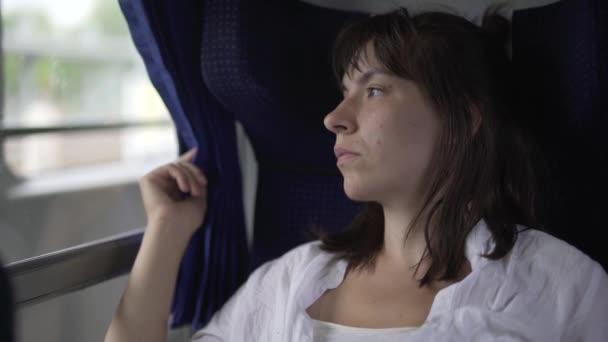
x,y
69,63
79,316
72,62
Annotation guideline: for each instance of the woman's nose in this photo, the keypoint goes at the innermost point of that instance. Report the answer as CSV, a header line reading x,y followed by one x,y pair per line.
x,y
340,120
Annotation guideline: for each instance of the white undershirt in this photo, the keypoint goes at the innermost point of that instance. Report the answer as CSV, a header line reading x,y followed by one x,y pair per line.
x,y
332,332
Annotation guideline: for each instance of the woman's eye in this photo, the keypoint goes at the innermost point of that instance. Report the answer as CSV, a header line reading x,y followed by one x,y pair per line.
x,y
373,92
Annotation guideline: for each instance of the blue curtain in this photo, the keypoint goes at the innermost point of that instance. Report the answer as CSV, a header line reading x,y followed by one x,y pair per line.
x,y
167,35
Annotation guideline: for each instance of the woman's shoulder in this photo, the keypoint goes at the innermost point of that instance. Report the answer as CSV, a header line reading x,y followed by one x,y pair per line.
x,y
300,260
544,287
303,253
543,252
267,297
556,276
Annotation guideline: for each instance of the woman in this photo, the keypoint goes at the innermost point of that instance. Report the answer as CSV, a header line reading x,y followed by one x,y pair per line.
x,y
425,134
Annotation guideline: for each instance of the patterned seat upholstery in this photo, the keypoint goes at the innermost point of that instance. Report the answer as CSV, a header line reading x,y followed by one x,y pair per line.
x,y
560,56
274,76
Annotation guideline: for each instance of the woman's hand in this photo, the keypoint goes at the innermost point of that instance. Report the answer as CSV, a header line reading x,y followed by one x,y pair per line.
x,y
172,219
164,192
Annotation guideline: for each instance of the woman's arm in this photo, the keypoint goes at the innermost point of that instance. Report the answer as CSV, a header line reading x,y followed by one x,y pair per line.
x,y
143,311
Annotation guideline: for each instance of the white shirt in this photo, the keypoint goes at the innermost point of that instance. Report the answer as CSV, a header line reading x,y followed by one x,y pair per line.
x,y
331,332
543,290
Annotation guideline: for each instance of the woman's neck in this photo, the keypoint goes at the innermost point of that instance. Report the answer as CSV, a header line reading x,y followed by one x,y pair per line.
x,y
398,250
403,255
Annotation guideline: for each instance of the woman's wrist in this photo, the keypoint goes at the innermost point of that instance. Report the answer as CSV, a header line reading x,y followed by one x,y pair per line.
x,y
164,238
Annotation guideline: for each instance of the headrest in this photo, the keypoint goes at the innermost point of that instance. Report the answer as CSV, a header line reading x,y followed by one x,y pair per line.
x,y
472,10
269,64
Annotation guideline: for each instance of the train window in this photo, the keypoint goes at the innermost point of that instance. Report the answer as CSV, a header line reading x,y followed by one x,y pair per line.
x,y
76,93
80,122
79,316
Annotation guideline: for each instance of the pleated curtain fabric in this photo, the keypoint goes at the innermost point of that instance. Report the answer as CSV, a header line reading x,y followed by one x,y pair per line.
x,y
167,35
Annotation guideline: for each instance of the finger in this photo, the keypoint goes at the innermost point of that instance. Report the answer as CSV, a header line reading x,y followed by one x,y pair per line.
x,y
193,184
179,176
200,176
166,184
188,156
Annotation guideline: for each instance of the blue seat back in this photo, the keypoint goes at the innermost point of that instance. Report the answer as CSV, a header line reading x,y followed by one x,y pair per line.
x,y
560,56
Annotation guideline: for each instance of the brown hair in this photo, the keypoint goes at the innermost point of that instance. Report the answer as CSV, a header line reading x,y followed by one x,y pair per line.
x,y
485,173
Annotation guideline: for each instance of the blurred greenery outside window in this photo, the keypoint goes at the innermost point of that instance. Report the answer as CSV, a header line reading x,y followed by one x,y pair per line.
x,y
72,63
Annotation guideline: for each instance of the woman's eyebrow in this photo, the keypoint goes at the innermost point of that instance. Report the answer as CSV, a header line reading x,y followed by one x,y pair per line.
x,y
366,76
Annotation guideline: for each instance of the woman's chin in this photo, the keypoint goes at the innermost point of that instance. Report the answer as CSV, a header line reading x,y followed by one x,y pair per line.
x,y
357,193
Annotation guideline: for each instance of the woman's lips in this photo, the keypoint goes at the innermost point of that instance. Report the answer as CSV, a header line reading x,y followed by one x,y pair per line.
x,y
344,155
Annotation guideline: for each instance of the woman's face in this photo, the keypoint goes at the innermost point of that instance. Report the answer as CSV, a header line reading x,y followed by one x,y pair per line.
x,y
391,129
